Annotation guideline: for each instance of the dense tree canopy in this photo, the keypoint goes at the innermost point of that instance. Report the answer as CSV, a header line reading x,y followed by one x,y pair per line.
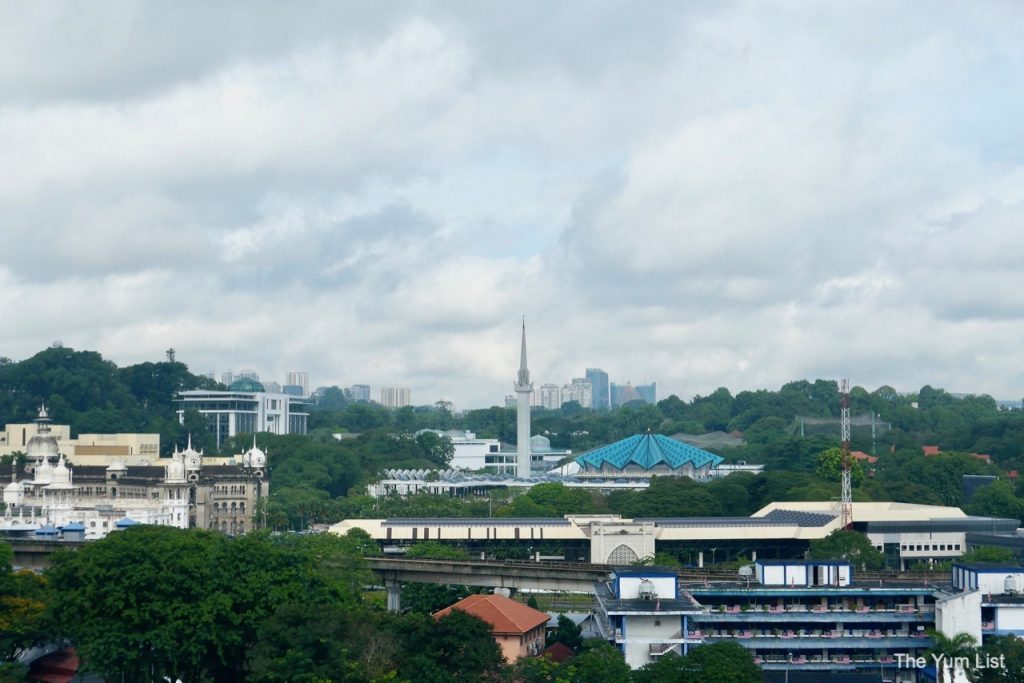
x,y
851,546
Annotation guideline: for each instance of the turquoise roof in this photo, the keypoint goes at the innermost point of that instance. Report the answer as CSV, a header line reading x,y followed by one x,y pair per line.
x,y
647,450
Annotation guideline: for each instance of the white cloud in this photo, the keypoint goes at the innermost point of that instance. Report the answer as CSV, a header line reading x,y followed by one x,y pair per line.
x,y
717,195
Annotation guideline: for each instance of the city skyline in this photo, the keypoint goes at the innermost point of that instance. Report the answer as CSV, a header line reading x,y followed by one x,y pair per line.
x,y
703,195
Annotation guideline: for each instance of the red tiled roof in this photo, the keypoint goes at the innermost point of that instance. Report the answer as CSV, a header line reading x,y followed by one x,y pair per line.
x,y
1012,474
56,667
861,455
506,616
982,456
559,652
931,450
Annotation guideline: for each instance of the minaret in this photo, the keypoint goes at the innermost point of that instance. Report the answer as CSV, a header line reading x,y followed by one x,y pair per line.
x,y
523,388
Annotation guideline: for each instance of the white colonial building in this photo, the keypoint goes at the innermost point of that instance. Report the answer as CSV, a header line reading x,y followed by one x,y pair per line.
x,y
46,494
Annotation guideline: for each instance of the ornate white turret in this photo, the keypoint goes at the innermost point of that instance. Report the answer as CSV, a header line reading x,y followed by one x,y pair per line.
x,y
193,458
12,494
60,476
43,445
43,473
254,458
176,468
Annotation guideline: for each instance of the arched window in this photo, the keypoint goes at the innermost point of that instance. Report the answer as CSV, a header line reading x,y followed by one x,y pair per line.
x,y
622,555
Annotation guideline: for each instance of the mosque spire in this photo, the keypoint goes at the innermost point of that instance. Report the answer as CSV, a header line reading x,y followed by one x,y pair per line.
x,y
524,372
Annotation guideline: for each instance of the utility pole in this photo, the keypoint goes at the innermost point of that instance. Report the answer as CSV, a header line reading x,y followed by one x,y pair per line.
x,y
846,512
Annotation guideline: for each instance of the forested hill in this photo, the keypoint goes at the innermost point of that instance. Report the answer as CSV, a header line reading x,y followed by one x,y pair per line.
x,y
317,477
93,395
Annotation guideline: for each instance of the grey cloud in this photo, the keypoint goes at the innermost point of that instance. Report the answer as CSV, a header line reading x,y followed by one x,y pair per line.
x,y
703,194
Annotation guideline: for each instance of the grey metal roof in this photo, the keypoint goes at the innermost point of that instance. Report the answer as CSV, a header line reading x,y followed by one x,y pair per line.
x,y
773,518
477,521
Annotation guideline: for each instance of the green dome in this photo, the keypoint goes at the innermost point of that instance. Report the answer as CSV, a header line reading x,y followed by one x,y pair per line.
x,y
246,384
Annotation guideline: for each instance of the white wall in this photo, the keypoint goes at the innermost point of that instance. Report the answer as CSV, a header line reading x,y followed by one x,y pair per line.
x,y
1010,618
989,583
470,455
664,586
959,613
641,632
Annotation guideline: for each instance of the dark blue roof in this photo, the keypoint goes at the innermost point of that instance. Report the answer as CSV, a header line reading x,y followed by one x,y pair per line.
x,y
656,572
127,521
648,450
48,530
73,526
984,567
806,563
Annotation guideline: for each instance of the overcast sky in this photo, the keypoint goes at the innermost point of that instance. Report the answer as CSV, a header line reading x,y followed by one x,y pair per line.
x,y
701,194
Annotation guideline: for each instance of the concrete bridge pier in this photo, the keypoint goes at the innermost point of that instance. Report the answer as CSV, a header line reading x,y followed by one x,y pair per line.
x,y
394,589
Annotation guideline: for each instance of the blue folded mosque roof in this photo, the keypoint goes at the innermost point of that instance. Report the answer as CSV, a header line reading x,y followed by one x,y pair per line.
x,y
647,450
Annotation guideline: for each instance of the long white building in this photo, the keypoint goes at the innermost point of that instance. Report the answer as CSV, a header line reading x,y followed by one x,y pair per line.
x,y
245,408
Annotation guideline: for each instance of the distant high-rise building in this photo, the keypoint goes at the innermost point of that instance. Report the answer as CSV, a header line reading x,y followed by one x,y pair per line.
x,y
510,401
226,378
621,394
581,391
550,396
395,397
599,389
298,378
274,387
624,393
648,392
210,375
248,374
360,392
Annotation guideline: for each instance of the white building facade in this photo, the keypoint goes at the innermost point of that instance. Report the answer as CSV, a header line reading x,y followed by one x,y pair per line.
x,y
229,413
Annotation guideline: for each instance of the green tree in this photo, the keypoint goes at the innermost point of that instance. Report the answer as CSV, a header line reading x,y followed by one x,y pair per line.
x,y
599,662
950,649
1008,650
996,500
433,549
567,632
988,553
852,546
191,606
22,609
439,449
458,647
723,662
830,467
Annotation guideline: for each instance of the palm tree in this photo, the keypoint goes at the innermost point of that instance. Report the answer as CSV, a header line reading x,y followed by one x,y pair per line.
x,y
962,645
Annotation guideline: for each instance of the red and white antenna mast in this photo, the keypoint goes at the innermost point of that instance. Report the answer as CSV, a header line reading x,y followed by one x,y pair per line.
x,y
846,496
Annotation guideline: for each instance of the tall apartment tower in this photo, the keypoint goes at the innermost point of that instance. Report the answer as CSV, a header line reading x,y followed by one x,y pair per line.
x,y
395,397
298,379
599,389
523,389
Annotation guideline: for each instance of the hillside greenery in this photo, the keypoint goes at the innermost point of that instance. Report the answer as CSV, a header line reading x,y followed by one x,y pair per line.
x,y
320,477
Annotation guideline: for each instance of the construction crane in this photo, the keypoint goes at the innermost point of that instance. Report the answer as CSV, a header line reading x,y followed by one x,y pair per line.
x,y
846,496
